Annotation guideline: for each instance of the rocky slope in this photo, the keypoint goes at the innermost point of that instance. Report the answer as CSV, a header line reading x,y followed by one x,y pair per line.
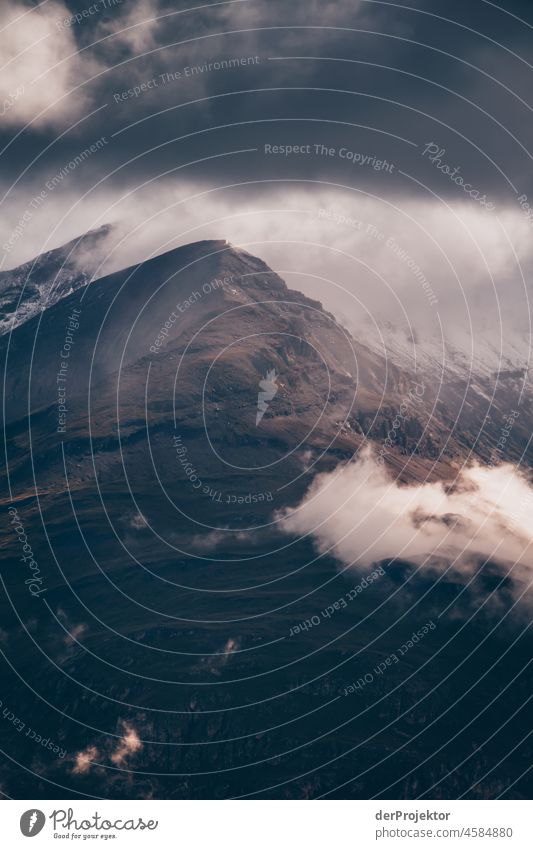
x,y
31,288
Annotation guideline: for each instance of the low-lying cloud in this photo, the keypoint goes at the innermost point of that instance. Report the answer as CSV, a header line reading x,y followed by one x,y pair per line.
x,y
361,515
118,753
128,745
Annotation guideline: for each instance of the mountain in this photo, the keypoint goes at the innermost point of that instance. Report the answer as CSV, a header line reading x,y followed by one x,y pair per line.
x,y
33,287
151,378
200,376
156,419
474,385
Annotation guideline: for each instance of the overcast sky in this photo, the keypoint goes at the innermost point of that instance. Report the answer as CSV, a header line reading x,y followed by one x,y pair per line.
x,y
185,105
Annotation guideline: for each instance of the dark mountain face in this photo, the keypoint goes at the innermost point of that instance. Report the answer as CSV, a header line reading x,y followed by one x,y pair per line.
x,y
155,420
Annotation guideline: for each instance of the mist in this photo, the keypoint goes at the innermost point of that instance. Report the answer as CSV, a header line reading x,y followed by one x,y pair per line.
x,y
362,515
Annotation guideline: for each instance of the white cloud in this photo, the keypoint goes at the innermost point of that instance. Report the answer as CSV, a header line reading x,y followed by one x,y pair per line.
x,y
138,522
42,71
362,515
218,661
127,746
84,760
40,66
74,633
134,30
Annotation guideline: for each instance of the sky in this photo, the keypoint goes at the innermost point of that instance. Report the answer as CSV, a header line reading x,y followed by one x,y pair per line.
x,y
360,147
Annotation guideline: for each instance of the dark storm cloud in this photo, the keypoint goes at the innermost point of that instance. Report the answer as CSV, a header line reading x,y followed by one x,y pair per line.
x,y
380,80
183,105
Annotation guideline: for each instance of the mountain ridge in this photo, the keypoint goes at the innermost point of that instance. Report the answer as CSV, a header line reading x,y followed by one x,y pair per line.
x,y
28,289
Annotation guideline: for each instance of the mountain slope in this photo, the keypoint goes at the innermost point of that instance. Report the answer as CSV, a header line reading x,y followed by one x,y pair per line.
x,y
171,603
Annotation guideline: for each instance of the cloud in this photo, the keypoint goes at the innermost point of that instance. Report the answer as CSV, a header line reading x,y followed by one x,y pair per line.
x,y
218,661
134,30
127,746
367,76
75,632
72,634
362,515
138,522
84,760
40,66
43,68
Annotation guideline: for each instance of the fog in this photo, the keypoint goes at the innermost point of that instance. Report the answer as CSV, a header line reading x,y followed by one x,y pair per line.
x,y
362,515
